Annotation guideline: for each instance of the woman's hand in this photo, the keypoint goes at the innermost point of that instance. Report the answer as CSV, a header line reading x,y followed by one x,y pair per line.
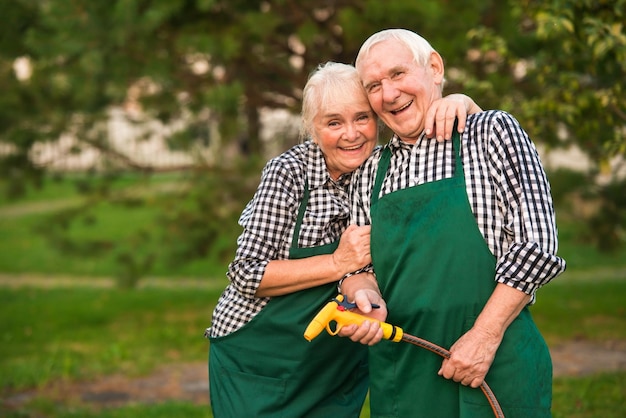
x,y
353,252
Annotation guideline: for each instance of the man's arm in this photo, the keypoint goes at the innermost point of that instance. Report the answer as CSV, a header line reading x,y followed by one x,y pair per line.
x,y
529,259
472,354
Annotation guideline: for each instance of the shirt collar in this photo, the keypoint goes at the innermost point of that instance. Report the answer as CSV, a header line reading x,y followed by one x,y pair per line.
x,y
317,171
396,143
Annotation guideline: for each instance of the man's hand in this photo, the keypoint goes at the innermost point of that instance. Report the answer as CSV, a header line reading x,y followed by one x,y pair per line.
x,y
365,292
442,113
471,357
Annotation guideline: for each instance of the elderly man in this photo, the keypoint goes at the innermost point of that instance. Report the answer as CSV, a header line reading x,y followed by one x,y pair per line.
x,y
463,234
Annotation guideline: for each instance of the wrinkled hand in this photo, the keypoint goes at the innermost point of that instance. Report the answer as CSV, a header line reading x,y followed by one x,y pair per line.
x,y
369,332
471,357
353,251
442,113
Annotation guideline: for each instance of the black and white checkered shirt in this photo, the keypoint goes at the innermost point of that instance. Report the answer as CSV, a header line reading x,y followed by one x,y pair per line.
x,y
268,223
506,186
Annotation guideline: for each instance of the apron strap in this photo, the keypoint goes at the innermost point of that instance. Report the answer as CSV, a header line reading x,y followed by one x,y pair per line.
x,y
301,210
383,166
456,144
294,250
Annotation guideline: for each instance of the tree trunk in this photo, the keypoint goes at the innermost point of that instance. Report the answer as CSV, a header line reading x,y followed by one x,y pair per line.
x,y
251,144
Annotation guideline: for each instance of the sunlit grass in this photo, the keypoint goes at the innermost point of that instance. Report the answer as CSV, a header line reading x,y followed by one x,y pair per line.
x,y
82,332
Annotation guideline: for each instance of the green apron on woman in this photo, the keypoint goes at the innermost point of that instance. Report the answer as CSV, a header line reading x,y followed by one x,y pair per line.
x,y
436,273
268,369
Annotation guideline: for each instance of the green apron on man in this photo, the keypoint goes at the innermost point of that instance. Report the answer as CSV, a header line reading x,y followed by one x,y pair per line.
x,y
268,369
436,273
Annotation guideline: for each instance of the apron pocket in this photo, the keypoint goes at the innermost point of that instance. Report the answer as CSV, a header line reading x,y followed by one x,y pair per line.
x,y
238,394
521,374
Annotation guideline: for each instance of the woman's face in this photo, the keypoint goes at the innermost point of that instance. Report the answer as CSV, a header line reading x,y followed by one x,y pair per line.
x,y
346,132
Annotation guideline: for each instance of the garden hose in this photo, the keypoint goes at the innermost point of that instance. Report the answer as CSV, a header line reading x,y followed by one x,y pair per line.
x,y
337,310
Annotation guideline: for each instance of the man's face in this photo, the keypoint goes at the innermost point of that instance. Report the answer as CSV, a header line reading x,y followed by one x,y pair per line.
x,y
399,90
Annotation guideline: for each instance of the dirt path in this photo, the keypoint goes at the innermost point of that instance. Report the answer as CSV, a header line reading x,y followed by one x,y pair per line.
x,y
582,358
189,382
180,382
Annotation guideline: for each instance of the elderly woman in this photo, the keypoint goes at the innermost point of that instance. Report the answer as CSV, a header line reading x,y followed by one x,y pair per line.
x,y
295,246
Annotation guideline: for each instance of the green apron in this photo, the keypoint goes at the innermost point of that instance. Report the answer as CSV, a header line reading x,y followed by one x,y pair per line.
x,y
436,273
268,369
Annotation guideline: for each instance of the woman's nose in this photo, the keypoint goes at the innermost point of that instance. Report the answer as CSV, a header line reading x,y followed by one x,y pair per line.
x,y
352,131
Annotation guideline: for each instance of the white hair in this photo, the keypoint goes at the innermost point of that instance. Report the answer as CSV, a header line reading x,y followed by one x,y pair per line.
x,y
330,82
419,47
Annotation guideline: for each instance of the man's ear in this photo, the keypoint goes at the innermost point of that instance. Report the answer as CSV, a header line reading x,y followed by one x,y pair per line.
x,y
437,67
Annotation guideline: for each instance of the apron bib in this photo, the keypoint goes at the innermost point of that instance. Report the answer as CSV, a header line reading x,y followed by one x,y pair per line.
x,y
268,369
436,273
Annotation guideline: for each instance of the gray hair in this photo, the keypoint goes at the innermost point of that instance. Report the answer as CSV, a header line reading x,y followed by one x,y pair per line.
x,y
328,83
419,47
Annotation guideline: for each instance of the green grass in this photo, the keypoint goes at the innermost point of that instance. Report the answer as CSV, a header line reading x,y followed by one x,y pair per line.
x,y
106,230
599,396
163,410
70,186
25,250
581,255
81,332
590,307
571,308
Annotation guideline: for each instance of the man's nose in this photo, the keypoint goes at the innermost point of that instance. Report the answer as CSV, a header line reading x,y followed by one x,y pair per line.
x,y
390,92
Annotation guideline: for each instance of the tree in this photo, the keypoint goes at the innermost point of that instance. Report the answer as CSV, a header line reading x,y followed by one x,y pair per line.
x,y
557,65
582,82
175,59
199,61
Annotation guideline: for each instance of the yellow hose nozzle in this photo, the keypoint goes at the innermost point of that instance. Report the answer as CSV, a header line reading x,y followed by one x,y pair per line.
x,y
334,311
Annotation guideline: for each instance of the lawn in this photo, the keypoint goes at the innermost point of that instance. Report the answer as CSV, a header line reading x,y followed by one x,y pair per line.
x,y
107,230
81,332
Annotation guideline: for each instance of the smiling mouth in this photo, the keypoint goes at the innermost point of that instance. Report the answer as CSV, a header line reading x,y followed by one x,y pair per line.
x,y
395,112
354,148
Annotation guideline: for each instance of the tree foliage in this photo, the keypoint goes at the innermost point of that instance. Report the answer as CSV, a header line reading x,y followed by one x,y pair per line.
x,y
558,65
564,66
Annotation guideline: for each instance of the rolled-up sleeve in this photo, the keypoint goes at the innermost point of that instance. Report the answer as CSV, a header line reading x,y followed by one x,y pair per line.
x,y
267,222
528,257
